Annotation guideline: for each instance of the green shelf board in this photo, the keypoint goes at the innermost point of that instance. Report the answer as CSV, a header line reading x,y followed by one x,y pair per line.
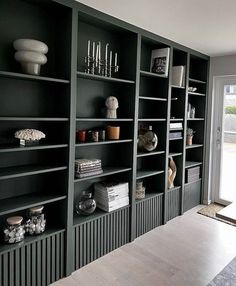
x,y
152,119
193,146
149,196
34,119
176,86
173,189
189,164
152,98
175,154
176,119
30,239
176,129
107,171
187,184
104,119
195,119
196,80
144,154
103,142
19,203
196,93
173,139
32,77
97,214
151,74
21,171
147,173
103,78
18,148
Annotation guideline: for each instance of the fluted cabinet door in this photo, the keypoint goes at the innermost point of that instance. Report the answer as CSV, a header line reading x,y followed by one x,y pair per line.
x,y
97,237
39,263
149,214
172,203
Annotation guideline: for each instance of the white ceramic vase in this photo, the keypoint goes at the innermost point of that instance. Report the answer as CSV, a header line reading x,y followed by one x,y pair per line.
x,y
31,55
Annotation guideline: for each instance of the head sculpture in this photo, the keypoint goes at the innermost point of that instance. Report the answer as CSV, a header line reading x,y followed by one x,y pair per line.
x,y
111,105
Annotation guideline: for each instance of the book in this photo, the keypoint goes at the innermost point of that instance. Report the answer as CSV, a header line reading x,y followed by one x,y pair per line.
x,y
160,61
178,76
110,196
176,125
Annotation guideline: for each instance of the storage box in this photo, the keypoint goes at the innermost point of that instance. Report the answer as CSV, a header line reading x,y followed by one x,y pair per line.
x,y
192,174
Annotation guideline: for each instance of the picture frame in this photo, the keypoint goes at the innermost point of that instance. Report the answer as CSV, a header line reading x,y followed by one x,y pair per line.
x,y
160,61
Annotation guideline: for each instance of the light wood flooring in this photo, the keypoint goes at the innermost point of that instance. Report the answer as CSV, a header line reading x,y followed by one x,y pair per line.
x,y
190,250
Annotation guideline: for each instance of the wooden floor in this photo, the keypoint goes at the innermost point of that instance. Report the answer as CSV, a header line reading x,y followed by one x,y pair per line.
x,y
188,251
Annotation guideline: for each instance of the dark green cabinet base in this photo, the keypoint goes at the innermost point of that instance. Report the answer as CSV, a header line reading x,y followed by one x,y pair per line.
x,y
97,237
192,195
39,263
172,209
149,214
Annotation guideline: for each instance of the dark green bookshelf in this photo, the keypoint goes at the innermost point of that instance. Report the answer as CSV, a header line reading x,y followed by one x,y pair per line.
x,y
14,148
151,74
21,171
107,171
16,204
103,78
62,99
147,173
32,77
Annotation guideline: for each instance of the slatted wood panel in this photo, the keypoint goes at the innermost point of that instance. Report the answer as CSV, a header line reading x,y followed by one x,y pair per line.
x,y
172,203
36,264
192,195
149,214
97,237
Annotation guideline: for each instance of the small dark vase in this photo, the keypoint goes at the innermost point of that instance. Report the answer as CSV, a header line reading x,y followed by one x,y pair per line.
x,y
86,205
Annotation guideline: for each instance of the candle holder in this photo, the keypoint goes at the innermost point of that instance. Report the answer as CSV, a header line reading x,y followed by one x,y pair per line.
x,y
94,64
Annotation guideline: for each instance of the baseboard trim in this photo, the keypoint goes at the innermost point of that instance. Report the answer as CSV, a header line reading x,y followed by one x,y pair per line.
x,y
206,202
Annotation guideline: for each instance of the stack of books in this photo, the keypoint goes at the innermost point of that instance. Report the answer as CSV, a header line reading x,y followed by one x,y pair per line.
x,y
110,196
87,167
176,125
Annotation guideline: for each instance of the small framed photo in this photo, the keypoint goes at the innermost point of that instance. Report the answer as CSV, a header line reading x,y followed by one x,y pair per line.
x,y
160,61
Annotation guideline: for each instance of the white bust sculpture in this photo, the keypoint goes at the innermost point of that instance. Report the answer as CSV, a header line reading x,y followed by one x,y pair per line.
x,y
111,105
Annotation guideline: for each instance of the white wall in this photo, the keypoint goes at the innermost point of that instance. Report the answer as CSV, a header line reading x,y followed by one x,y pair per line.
x,y
219,66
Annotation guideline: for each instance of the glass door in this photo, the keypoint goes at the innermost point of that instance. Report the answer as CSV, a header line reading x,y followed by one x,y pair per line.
x,y
224,174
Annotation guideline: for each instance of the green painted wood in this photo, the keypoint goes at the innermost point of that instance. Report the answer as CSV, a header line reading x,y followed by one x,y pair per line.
x,y
39,147
31,77
192,195
107,171
103,78
27,201
173,203
88,248
54,253
21,171
146,219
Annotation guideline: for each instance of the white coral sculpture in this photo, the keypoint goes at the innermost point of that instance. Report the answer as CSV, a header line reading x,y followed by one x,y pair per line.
x,y
29,134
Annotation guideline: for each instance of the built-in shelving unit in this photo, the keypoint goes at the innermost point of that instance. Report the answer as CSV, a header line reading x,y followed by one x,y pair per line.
x,y
65,98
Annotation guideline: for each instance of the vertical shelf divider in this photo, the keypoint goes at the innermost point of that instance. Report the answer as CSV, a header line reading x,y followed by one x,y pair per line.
x,y
135,133
70,199
184,134
167,137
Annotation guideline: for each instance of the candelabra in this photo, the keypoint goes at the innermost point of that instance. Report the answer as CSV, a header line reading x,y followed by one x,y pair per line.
x,y
94,64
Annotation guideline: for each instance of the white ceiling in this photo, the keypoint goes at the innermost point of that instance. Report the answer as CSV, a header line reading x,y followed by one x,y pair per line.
x,y
208,26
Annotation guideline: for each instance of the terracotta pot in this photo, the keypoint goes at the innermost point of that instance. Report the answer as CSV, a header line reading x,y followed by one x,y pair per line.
x,y
189,140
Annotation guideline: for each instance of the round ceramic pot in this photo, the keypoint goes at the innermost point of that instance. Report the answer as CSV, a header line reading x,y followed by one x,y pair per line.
x,y
30,45
189,140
